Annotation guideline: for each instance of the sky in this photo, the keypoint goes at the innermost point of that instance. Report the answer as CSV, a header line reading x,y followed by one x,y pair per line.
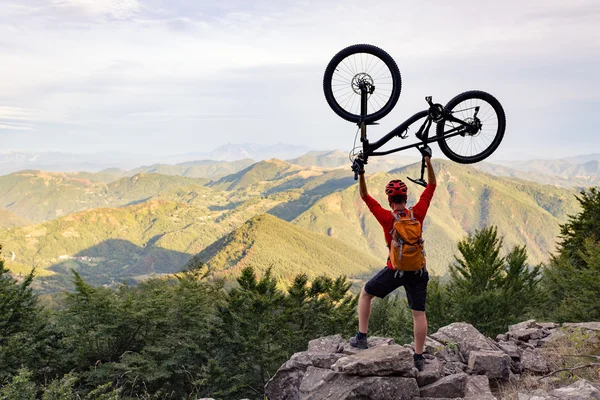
x,y
174,76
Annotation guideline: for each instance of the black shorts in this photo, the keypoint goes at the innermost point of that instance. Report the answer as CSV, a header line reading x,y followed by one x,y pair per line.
x,y
415,285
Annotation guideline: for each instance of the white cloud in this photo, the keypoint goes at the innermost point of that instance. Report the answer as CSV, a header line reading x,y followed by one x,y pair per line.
x,y
111,8
108,63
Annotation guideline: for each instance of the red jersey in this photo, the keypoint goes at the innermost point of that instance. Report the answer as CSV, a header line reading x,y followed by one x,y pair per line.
x,y
385,217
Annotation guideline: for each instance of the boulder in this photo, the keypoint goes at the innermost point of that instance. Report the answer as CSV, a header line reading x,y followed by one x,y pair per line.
x,y
548,325
377,361
590,326
529,324
324,384
454,367
511,349
494,364
478,388
433,371
534,361
450,386
466,337
527,334
327,344
581,389
431,346
372,342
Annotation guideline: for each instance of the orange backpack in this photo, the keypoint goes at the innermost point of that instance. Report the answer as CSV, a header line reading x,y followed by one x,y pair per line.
x,y
406,249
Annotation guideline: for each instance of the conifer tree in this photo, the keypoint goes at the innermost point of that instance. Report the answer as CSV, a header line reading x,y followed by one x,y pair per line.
x,y
572,279
488,290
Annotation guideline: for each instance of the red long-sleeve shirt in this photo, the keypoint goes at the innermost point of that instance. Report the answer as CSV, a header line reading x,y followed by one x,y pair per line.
x,y
385,217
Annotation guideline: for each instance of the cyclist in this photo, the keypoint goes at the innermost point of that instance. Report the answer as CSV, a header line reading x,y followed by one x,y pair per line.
x,y
387,280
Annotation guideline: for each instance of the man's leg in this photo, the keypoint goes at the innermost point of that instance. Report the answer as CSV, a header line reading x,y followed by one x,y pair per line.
x,y
380,286
364,310
420,330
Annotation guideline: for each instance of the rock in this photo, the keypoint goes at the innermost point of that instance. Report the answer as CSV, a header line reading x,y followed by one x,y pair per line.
x,y
454,367
466,337
494,364
478,388
434,370
324,384
327,344
285,384
534,361
549,325
501,337
372,342
591,326
431,346
451,354
527,334
524,325
449,386
378,361
511,349
581,389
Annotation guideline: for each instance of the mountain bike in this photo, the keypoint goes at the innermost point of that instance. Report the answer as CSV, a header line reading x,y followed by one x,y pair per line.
x,y
362,84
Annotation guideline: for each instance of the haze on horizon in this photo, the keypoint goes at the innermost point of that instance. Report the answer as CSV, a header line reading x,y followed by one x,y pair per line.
x,y
170,77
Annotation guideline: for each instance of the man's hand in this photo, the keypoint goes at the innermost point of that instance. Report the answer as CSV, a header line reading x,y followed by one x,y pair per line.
x,y
425,151
358,166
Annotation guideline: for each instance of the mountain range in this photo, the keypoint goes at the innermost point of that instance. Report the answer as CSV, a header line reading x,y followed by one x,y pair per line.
x,y
271,213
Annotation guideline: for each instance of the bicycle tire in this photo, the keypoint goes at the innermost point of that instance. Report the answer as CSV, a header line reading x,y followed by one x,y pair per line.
x,y
472,98
334,67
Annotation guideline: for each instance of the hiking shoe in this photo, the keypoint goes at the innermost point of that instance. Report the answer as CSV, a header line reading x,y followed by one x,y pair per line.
x,y
358,343
419,361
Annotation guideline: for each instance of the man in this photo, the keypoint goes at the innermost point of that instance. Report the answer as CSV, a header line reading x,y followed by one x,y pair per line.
x,y
387,280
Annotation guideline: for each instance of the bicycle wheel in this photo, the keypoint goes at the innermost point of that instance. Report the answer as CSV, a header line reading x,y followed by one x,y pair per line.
x,y
485,120
362,63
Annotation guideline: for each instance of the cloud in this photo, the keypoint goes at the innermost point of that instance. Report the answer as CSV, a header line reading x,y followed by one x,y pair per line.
x,y
153,69
113,8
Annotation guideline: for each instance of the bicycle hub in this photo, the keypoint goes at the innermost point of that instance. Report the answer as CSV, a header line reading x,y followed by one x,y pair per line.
x,y
361,81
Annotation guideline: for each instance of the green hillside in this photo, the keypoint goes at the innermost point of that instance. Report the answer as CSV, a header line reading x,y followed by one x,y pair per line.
x,y
9,220
339,159
108,245
39,196
465,200
268,242
581,180
207,169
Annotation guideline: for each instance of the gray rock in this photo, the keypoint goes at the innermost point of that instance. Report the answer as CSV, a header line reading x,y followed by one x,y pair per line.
x,y
524,325
478,388
501,337
494,364
581,389
372,342
285,384
449,386
434,370
454,367
592,326
432,346
511,349
324,384
527,334
466,337
327,344
548,325
534,361
377,361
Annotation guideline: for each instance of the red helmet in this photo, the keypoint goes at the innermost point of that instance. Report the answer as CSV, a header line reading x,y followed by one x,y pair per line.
x,y
396,188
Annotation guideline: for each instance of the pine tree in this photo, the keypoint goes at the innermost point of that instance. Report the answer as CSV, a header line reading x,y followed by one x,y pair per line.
x,y
488,290
572,279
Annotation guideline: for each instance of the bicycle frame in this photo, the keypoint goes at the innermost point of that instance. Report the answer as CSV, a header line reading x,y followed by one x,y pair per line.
x,y
436,113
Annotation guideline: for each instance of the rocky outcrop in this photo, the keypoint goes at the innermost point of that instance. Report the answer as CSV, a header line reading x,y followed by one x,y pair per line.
x,y
461,363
